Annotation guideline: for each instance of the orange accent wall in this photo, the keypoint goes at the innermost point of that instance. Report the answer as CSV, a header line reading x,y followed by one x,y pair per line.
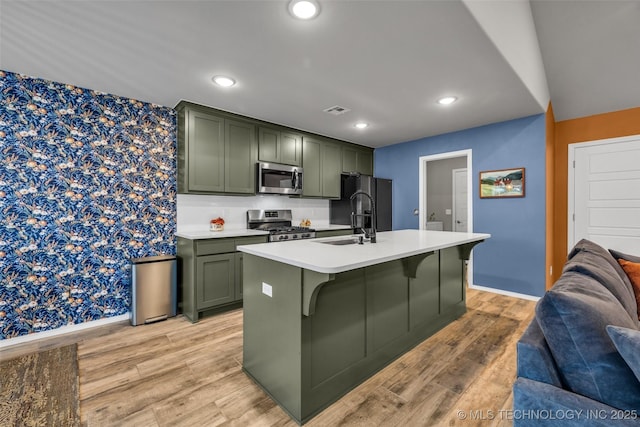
x,y
550,124
592,128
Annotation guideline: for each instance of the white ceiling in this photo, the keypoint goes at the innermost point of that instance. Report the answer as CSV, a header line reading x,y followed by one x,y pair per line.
x,y
387,61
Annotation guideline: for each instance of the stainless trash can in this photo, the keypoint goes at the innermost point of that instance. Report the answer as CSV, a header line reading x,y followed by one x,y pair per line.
x,y
154,290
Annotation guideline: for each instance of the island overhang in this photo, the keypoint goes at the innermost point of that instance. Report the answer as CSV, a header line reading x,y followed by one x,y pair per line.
x,y
316,255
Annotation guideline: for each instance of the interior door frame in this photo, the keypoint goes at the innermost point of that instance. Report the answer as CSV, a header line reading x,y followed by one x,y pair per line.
x,y
454,204
571,181
422,189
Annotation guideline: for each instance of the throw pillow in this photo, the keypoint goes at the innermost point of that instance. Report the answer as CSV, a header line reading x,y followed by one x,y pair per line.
x,y
627,341
633,272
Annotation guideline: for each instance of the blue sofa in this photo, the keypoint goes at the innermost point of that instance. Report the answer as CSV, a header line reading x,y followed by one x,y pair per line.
x,y
578,362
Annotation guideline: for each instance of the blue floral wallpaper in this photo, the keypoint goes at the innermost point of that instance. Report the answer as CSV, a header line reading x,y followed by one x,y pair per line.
x,y
87,182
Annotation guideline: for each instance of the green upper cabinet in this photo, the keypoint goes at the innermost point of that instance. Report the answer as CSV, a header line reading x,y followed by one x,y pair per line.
x,y
268,145
216,153
331,168
279,146
322,163
205,152
311,161
357,159
241,155
364,162
291,148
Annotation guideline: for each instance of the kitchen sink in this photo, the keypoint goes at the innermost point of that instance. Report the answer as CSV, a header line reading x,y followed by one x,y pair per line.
x,y
340,242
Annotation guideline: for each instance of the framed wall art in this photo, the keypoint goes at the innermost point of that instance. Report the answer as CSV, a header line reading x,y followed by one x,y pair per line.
x,y
502,183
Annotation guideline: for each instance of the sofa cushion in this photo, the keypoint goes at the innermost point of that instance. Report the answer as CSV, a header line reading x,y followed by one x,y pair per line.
x,y
585,245
537,404
627,341
534,357
573,316
592,264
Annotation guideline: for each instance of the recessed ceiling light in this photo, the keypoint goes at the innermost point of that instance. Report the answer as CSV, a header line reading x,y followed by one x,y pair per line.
x,y
223,81
447,100
361,125
304,9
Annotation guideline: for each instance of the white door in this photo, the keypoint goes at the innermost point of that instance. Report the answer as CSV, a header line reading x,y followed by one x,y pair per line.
x,y
459,200
604,193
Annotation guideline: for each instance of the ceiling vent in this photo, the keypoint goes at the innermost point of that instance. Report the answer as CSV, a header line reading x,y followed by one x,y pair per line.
x,y
336,110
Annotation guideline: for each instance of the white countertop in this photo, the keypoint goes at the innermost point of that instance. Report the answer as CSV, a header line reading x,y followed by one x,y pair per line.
x,y
198,234
233,232
313,255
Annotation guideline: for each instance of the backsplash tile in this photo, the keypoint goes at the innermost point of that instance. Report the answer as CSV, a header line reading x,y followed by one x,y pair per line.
x,y
195,211
87,181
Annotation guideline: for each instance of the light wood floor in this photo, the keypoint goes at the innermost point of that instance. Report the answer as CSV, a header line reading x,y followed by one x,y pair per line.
x,y
175,373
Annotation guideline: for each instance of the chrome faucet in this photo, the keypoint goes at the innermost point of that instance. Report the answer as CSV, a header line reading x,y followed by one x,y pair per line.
x,y
371,232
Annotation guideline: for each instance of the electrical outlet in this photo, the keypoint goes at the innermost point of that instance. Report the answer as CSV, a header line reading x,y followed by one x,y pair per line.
x,y
447,211
267,289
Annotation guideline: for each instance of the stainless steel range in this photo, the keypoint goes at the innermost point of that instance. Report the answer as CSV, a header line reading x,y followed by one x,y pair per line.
x,y
278,224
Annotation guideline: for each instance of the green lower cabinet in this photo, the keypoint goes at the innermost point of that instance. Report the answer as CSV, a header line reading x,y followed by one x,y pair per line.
x,y
451,293
340,303
215,280
359,321
211,274
387,305
424,293
238,285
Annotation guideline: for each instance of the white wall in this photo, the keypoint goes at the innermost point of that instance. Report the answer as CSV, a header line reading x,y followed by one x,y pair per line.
x,y
195,211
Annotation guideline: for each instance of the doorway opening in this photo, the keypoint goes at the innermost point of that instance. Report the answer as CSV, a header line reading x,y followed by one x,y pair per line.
x,y
439,175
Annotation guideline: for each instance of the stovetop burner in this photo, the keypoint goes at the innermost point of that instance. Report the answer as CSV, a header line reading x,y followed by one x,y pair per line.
x,y
292,229
278,224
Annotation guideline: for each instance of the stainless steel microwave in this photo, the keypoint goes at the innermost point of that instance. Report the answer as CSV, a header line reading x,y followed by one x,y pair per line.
x,y
274,178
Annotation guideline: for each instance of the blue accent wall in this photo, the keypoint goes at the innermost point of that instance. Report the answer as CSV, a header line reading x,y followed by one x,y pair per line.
x,y
87,182
513,259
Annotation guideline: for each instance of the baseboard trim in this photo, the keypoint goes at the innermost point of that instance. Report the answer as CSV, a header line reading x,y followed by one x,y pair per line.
x,y
503,292
63,330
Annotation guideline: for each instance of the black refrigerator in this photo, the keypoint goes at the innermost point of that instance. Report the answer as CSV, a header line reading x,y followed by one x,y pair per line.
x,y
378,188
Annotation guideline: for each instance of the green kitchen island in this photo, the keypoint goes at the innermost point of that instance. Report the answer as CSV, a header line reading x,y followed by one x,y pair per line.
x,y
322,316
